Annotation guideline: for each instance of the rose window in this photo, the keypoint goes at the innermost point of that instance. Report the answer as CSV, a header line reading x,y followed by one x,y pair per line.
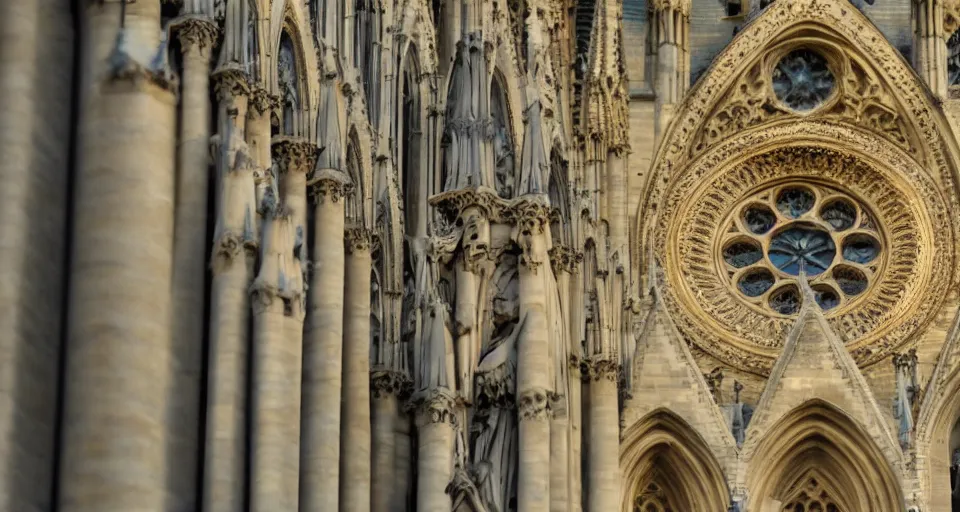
x,y
800,229
802,80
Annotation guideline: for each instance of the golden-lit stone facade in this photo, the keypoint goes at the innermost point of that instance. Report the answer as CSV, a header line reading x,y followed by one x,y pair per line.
x,y
480,256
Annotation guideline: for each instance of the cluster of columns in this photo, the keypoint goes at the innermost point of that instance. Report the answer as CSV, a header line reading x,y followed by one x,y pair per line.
x,y
671,38
135,336
931,32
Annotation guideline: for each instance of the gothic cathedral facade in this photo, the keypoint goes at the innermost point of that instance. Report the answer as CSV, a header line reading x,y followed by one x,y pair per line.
x,y
480,255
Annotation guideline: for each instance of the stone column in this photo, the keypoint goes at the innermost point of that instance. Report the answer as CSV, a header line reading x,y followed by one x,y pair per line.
x,y
277,295
118,377
671,21
603,483
37,56
323,348
559,454
355,419
197,35
930,44
436,422
233,258
384,495
533,360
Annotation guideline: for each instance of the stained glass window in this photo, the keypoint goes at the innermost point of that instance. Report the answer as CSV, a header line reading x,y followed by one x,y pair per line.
x,y
802,80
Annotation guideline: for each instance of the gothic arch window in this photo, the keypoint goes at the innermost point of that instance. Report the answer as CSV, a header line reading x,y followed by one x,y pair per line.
x,y
953,59
251,43
288,85
559,202
954,458
668,467
503,148
366,57
414,187
354,203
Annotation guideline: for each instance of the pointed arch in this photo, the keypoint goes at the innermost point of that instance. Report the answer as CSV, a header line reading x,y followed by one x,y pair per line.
x,y
505,154
877,116
558,189
817,438
664,451
878,93
354,208
290,68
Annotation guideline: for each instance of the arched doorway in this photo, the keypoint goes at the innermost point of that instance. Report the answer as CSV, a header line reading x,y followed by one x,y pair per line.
x,y
817,458
667,467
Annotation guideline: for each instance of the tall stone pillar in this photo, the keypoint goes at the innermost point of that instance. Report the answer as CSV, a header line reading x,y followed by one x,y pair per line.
x,y
277,295
671,24
323,348
930,44
436,422
197,36
533,360
384,495
118,374
355,420
603,483
37,55
233,258
563,260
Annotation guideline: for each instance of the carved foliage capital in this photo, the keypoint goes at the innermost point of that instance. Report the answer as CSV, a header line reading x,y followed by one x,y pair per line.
x,y
358,240
436,407
564,259
533,404
597,368
229,83
385,383
294,154
330,185
262,101
196,32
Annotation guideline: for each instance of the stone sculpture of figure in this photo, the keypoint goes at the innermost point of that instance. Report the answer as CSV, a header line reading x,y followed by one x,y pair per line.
x,y
470,292
476,235
494,426
905,366
467,130
502,149
535,167
287,80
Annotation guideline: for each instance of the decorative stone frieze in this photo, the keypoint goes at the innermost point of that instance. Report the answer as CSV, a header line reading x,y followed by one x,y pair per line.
x,y
533,404
294,154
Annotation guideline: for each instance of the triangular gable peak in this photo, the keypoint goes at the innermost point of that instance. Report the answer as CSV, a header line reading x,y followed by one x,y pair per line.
x,y
667,377
814,365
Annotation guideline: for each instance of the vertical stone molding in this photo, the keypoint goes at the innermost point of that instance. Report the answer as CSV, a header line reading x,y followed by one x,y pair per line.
x,y
235,243
118,370
603,482
37,57
533,357
437,421
559,454
197,36
275,295
355,420
930,42
386,388
323,347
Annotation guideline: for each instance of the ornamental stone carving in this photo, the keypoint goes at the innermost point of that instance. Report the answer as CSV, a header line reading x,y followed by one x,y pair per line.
x,y
597,367
437,406
329,184
294,155
894,269
532,404
196,32
357,240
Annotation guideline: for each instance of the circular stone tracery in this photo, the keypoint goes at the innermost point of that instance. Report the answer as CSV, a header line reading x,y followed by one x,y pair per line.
x,y
803,226
876,309
802,80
